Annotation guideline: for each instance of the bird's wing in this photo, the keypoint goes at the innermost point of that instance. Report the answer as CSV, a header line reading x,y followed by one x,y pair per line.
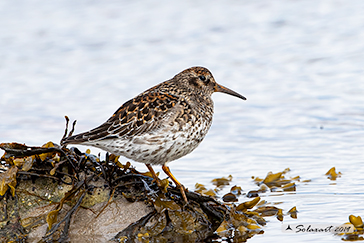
x,y
138,115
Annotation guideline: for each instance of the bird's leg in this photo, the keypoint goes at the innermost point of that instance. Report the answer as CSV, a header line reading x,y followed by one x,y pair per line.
x,y
178,184
155,177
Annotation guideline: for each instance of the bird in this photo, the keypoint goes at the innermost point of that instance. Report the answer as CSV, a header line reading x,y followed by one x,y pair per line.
x,y
160,125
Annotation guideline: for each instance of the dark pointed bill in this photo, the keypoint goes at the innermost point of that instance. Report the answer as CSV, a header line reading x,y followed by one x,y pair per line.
x,y
220,88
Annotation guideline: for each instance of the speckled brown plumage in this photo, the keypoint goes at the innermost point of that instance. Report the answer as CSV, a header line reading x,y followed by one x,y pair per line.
x,y
161,124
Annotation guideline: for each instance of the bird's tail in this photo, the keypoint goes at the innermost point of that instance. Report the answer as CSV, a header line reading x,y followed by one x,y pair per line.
x,y
76,139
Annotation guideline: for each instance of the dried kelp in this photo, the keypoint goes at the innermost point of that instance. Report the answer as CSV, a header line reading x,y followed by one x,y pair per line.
x,y
332,174
59,182
358,234
246,219
277,182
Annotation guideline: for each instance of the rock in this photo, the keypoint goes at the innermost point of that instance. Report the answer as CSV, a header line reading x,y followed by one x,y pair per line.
x,y
56,194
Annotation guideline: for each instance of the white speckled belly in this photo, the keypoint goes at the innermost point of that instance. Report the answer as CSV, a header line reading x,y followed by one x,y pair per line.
x,y
159,147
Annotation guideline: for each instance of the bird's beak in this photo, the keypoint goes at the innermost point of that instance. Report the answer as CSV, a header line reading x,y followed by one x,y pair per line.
x,y
220,88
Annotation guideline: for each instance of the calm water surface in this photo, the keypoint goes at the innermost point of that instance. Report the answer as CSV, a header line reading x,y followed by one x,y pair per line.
x,y
299,63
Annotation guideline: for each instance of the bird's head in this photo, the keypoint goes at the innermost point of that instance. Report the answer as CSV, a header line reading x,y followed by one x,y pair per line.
x,y
200,80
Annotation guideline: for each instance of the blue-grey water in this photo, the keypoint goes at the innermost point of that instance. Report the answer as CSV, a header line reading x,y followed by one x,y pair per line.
x,y
299,63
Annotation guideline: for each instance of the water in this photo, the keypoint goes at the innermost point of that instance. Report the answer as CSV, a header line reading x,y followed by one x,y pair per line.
x,y
299,63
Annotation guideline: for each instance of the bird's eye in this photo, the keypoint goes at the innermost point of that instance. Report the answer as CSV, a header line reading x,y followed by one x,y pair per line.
x,y
203,78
